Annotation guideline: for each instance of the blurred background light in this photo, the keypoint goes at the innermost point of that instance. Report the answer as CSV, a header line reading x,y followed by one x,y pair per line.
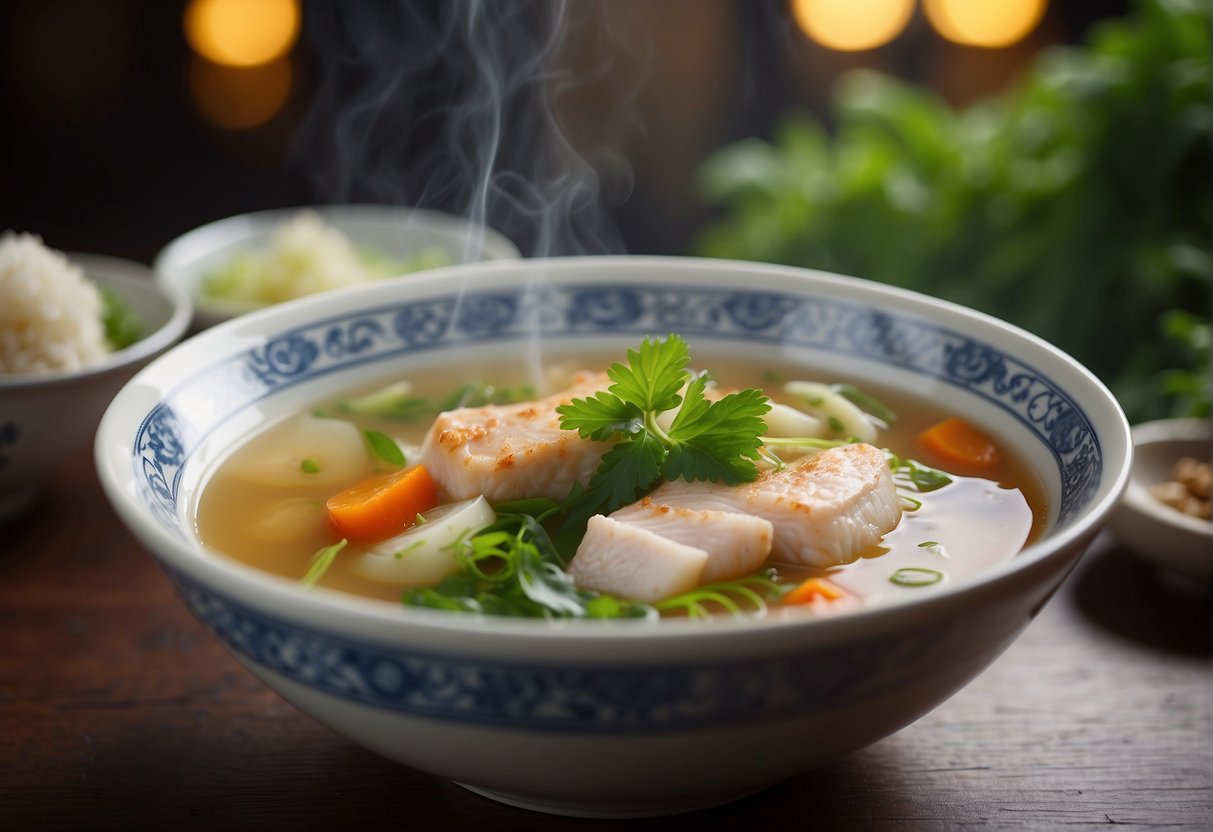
x,y
852,25
239,98
991,24
242,33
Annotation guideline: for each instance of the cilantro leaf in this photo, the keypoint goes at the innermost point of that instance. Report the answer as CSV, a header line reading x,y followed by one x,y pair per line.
x,y
627,470
654,374
601,416
716,440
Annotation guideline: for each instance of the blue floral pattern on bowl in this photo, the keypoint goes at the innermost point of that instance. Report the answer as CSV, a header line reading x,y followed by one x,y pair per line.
x,y
521,695
165,442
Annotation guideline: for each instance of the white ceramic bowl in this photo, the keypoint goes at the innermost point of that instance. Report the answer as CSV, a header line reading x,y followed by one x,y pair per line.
x,y
618,718
396,231
45,418
1175,542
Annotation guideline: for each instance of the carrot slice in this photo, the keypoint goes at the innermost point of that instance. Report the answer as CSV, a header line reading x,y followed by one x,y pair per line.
x,y
382,506
959,442
811,589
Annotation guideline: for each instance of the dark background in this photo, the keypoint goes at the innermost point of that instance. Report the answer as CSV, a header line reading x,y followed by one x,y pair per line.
x,y
102,148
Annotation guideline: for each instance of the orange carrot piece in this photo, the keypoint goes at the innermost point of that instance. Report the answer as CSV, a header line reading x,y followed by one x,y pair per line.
x,y
811,589
959,442
382,506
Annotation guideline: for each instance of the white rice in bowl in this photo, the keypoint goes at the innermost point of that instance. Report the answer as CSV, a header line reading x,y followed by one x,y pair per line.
x,y
50,313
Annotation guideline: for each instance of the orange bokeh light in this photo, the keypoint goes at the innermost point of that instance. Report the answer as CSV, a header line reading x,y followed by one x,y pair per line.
x,y
852,25
242,32
991,24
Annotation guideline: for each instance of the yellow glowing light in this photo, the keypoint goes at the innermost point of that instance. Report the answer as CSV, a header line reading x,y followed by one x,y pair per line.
x,y
240,98
987,23
852,25
242,32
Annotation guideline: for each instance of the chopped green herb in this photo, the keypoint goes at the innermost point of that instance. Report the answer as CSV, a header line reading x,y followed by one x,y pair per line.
x,y
744,596
321,562
309,466
479,394
927,544
394,401
383,446
412,547
913,576
922,478
836,424
122,325
866,403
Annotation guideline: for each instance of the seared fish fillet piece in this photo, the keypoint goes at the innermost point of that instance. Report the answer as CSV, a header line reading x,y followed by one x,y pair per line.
x,y
507,452
736,544
630,561
826,509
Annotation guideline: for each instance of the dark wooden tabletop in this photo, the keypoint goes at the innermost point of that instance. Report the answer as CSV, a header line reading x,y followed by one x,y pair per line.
x,y
117,710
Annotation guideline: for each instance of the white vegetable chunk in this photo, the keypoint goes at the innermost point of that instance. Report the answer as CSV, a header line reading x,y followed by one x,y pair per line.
x,y
297,518
425,553
333,450
821,401
785,421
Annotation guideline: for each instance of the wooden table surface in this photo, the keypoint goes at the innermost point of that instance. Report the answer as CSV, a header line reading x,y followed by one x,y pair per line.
x,y
117,710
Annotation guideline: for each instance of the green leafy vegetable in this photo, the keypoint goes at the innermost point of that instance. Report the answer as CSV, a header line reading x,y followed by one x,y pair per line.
x,y
122,326
394,401
512,568
383,446
478,393
706,440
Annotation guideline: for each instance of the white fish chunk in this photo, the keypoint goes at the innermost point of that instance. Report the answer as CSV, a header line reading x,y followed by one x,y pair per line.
x,y
736,544
507,452
629,561
826,509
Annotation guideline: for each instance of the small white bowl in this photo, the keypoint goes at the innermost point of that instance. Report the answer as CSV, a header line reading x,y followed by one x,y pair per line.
x,y
609,718
396,231
1176,542
46,417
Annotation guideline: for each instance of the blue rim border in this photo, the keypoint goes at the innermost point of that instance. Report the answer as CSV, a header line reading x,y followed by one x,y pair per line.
x,y
164,441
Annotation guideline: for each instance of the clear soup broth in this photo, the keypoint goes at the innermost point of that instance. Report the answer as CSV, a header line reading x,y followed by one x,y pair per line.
x,y
265,503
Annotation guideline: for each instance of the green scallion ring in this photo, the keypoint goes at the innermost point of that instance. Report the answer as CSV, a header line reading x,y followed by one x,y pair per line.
x,y
916,576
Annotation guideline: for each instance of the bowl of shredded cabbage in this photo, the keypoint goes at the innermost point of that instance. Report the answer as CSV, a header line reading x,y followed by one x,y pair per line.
x,y
73,329
249,261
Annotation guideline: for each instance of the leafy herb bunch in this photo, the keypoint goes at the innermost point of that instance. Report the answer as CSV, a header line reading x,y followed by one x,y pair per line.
x,y
707,440
1077,203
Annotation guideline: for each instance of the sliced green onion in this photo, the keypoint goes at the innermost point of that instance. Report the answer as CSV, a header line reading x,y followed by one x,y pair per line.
x,y
321,562
916,576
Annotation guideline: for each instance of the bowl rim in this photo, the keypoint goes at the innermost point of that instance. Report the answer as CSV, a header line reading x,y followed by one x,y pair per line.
x,y
264,591
105,269
165,267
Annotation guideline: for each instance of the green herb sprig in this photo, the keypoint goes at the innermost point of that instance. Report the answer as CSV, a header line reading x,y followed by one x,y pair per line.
x,y
715,441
